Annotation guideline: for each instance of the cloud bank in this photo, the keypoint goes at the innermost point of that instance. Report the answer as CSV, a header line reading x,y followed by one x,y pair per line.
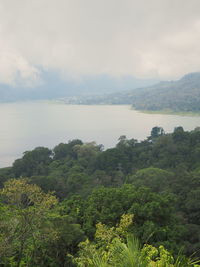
x,y
147,39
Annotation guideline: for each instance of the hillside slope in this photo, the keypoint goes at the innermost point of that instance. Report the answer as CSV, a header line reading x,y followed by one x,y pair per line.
x,y
180,96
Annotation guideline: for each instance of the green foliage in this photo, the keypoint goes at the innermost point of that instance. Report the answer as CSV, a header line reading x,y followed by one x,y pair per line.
x,y
33,162
156,132
158,180
116,247
31,229
155,218
62,151
26,210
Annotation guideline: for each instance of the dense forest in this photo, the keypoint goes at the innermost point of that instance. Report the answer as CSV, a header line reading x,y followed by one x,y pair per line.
x,y
178,96
137,204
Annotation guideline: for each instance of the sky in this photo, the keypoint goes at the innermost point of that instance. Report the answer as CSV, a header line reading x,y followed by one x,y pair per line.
x,y
156,39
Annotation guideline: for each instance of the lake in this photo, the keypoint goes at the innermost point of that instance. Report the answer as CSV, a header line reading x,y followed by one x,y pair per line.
x,y
27,125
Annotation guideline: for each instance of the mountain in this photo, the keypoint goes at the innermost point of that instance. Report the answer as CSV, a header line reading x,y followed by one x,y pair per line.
x,y
53,86
180,96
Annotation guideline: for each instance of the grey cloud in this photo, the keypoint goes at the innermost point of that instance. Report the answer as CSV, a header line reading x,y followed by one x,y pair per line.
x,y
146,38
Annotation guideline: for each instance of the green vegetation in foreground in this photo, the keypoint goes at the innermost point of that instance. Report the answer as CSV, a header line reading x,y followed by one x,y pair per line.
x,y
114,246
136,204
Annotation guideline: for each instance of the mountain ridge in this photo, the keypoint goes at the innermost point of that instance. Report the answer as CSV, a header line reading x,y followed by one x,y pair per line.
x,y
54,86
181,95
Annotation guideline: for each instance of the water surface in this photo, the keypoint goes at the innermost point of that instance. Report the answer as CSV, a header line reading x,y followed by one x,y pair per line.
x,y
27,125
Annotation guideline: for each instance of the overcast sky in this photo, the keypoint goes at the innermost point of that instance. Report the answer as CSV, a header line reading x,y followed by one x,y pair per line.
x,y
143,38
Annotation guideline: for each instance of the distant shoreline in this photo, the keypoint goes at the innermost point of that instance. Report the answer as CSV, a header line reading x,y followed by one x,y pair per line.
x,y
170,112
163,112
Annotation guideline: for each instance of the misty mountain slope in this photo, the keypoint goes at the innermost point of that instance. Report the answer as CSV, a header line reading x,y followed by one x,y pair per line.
x,y
180,96
53,86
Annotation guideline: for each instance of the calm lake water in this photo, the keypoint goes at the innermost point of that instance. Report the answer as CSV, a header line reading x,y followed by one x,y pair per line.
x,y
27,125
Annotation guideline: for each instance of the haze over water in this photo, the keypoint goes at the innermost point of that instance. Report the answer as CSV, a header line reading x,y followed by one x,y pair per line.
x,y
27,125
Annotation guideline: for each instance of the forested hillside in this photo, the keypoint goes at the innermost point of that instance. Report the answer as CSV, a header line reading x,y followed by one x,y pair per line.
x,y
182,95
178,96
51,200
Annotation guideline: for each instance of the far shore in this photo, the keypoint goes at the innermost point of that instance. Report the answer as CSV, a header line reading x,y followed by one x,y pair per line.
x,y
163,112
171,112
